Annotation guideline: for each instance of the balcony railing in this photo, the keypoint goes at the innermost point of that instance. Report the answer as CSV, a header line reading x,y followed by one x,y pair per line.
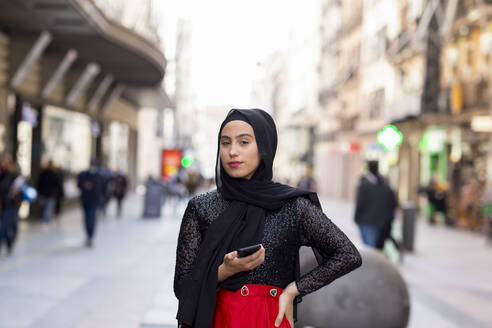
x,y
469,96
467,7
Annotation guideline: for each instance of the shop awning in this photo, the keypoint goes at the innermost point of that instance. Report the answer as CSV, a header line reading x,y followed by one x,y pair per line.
x,y
148,97
80,25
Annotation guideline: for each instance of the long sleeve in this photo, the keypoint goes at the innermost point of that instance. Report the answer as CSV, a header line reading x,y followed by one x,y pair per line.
x,y
188,245
339,254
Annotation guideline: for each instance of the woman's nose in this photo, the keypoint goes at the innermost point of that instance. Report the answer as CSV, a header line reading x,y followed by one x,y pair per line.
x,y
233,151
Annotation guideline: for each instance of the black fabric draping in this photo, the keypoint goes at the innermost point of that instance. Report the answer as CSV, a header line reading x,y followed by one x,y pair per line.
x,y
242,222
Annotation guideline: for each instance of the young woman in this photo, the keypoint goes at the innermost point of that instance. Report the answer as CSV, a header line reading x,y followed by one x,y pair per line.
x,y
217,288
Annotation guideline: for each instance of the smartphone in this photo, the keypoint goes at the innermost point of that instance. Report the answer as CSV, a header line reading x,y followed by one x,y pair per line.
x,y
246,251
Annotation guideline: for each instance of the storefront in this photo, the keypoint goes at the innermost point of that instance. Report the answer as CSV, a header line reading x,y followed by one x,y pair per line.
x,y
455,157
66,140
116,146
67,94
434,155
338,168
468,176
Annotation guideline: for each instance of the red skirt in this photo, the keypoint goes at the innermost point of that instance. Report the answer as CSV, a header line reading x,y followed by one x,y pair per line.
x,y
253,306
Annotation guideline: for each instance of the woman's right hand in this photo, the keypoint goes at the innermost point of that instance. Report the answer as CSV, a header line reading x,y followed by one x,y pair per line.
x,y
233,264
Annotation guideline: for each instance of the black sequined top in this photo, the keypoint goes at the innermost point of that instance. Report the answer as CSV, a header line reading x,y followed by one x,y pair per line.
x,y
298,223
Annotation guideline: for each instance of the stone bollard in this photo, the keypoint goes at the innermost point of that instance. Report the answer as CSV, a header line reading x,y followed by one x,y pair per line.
x,y
408,228
374,295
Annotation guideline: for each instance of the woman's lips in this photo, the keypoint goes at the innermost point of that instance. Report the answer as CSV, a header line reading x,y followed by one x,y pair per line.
x,y
234,164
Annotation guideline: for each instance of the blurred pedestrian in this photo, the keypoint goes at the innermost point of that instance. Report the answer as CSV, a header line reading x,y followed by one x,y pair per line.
x,y
61,191
307,181
10,201
218,287
120,186
436,193
193,181
375,207
107,177
178,183
49,188
208,184
91,186
176,189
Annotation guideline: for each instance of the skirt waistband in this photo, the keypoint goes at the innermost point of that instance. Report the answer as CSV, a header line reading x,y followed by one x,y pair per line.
x,y
254,290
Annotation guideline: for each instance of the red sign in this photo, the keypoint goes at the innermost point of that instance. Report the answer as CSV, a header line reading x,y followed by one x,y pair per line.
x,y
355,147
171,161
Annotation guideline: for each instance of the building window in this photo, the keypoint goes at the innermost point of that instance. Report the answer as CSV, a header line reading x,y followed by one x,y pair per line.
x,y
376,103
378,45
66,138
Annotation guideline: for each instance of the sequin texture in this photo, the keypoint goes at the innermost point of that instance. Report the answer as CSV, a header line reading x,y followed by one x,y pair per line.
x,y
298,223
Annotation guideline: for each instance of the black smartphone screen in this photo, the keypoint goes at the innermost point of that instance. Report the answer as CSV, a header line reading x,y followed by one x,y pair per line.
x,y
245,251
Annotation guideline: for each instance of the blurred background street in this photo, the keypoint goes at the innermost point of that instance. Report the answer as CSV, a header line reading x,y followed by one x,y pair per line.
x,y
125,280
109,113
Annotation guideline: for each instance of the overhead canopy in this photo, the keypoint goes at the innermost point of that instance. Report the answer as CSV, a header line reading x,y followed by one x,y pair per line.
x,y
148,97
80,25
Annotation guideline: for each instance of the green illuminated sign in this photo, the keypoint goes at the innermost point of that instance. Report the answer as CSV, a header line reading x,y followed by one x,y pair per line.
x,y
433,141
389,137
187,161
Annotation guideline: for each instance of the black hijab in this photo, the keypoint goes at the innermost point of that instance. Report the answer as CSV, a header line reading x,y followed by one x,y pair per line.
x,y
242,222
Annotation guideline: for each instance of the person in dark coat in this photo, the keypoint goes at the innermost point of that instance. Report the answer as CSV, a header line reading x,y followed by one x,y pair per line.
x,y
61,191
49,187
437,198
375,207
91,186
120,187
307,181
107,177
10,200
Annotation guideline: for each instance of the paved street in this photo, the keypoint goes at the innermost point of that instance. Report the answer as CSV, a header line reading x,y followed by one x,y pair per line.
x,y
448,275
126,279
54,281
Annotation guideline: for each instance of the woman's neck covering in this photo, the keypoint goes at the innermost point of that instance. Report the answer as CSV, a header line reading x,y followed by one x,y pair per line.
x,y
241,224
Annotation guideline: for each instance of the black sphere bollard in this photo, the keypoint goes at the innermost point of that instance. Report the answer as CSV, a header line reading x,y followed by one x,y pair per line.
x,y
374,295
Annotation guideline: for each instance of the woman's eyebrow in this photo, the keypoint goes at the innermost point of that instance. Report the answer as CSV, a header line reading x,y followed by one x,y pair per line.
x,y
238,136
244,135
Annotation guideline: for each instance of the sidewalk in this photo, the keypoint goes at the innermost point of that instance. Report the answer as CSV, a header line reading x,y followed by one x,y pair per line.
x,y
53,281
448,276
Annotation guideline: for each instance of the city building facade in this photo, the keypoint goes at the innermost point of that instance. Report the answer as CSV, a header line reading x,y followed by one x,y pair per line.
x,y
421,66
72,80
341,100
295,97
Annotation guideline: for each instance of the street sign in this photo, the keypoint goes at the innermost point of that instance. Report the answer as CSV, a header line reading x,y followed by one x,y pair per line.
x,y
187,161
171,161
390,137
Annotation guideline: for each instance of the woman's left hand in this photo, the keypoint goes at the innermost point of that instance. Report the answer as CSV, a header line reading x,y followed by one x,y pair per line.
x,y
286,305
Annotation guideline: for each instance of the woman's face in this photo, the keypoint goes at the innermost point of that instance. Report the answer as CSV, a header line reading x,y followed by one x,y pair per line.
x,y
238,150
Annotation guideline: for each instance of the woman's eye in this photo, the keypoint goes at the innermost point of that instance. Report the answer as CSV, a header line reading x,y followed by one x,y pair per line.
x,y
244,142
225,143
